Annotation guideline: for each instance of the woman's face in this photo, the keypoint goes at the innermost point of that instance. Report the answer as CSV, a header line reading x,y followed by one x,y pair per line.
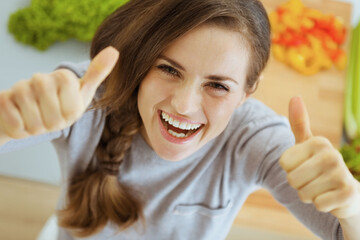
x,y
189,95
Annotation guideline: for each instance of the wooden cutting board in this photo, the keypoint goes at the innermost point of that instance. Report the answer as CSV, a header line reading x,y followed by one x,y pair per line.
x,y
323,93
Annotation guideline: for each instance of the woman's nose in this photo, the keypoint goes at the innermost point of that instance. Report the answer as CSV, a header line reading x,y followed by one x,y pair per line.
x,y
186,98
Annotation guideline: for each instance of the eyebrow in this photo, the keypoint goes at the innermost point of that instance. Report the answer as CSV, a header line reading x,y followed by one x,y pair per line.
x,y
211,77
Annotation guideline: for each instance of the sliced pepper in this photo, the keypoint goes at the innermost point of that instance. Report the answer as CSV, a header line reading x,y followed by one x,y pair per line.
x,y
307,39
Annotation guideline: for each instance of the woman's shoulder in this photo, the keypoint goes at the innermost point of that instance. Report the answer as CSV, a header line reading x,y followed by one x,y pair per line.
x,y
255,113
255,127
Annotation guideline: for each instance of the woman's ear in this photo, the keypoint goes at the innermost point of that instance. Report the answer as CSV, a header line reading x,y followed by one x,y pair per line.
x,y
250,92
245,97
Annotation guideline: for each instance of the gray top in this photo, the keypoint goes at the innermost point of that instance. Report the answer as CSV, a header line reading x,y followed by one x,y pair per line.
x,y
200,196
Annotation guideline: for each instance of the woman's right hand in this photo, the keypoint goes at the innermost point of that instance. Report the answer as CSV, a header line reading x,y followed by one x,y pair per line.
x,y
50,102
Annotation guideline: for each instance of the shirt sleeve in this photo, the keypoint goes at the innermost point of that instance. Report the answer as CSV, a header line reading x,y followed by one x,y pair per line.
x,y
78,68
17,144
275,140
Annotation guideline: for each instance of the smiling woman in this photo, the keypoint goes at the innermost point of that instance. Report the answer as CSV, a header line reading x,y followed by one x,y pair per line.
x,y
172,145
190,86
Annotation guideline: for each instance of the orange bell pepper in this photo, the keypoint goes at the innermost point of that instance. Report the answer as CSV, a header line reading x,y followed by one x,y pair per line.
x,y
306,39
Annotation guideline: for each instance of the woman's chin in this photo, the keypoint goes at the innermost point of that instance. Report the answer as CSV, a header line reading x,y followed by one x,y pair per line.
x,y
173,157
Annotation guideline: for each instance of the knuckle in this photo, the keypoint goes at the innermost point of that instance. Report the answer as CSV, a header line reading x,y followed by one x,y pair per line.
x,y
19,97
338,183
319,206
303,196
290,180
39,82
330,159
338,157
72,111
19,84
36,130
3,100
72,114
63,76
320,142
38,76
13,130
12,125
65,73
326,158
16,135
349,192
20,91
283,160
348,183
56,125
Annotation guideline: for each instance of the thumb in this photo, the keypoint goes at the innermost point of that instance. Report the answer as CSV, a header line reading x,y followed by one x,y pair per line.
x,y
100,67
299,120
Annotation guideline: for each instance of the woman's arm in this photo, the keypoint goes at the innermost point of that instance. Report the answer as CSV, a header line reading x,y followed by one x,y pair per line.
x,y
317,171
350,225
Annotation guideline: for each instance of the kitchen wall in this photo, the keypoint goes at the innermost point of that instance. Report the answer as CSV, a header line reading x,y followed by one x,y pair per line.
x,y
19,62
356,10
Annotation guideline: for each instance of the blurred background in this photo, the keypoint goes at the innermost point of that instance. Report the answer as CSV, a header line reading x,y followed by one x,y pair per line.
x,y
37,165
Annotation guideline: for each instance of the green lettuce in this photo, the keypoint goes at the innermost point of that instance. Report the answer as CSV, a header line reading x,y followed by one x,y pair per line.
x,y
45,22
351,155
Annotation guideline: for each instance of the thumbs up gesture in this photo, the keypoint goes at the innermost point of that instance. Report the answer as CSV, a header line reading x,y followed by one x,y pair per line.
x,y
317,170
49,102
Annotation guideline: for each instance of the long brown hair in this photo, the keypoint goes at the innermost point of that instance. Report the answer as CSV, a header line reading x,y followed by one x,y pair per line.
x,y
141,30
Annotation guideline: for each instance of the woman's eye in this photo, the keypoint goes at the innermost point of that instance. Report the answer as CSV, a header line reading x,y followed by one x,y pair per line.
x,y
218,86
168,70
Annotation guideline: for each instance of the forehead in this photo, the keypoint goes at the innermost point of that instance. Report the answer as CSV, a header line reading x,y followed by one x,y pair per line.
x,y
209,49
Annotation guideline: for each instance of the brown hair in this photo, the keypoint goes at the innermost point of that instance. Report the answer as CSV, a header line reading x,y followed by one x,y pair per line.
x,y
141,30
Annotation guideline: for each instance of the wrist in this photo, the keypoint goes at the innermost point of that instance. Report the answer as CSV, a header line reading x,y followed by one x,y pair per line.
x,y
350,225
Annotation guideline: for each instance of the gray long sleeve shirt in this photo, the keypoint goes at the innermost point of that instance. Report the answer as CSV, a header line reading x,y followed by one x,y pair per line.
x,y
200,196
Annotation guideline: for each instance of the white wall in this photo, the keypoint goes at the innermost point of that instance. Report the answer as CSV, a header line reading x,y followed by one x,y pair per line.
x,y
356,10
20,62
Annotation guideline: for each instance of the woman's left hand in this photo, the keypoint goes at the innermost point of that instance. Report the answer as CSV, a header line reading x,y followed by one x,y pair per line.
x,y
317,170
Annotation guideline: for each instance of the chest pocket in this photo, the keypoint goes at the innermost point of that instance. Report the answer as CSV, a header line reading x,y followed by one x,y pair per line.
x,y
199,209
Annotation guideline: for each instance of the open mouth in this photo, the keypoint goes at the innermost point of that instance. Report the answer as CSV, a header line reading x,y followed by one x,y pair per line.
x,y
179,129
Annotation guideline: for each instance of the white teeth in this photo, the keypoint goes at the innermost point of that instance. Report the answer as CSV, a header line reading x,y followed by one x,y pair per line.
x,y
175,134
177,124
165,117
183,125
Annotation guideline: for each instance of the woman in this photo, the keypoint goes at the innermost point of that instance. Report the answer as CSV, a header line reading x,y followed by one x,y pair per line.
x,y
172,144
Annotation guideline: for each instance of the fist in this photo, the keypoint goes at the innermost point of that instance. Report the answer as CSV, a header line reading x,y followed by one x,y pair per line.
x,y
49,102
317,170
